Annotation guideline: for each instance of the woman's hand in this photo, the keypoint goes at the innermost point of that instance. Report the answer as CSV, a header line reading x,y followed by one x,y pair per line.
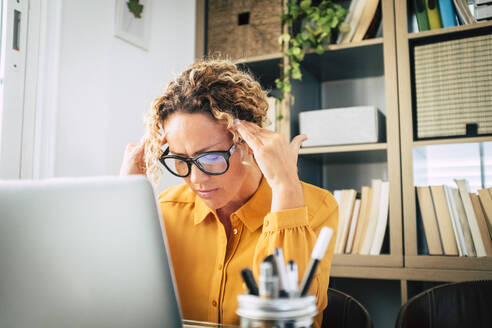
x,y
133,160
277,160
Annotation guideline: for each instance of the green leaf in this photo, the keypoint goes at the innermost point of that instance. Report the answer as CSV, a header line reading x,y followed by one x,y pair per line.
x,y
287,87
296,74
284,38
344,27
296,51
319,49
135,8
305,4
334,22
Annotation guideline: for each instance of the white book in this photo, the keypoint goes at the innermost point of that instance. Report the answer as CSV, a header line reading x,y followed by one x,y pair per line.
x,y
353,225
347,20
373,217
346,209
464,222
382,220
470,215
458,232
355,14
338,197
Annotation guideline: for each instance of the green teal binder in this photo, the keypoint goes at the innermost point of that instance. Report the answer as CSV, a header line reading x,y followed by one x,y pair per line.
x,y
421,14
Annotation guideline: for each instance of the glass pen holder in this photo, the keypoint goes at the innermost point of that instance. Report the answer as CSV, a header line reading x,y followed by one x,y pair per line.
x,y
256,311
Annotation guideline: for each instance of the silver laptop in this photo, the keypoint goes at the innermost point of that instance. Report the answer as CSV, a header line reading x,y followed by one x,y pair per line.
x,y
87,252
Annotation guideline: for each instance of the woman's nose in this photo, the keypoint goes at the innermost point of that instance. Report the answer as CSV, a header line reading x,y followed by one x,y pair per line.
x,y
197,176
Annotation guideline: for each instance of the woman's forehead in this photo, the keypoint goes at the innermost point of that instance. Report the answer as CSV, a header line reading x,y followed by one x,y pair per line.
x,y
190,133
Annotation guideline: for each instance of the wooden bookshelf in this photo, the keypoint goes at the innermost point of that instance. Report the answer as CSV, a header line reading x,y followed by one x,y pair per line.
x,y
448,268
388,58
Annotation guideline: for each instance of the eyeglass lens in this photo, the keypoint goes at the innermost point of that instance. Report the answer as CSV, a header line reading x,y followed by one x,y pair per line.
x,y
211,163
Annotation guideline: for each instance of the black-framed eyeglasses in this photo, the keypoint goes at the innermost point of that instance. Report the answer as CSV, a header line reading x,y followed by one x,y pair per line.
x,y
210,162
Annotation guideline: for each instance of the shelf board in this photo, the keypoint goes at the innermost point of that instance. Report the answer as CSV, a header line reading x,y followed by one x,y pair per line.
x,y
449,30
349,45
420,143
343,148
330,47
356,260
411,274
255,59
449,263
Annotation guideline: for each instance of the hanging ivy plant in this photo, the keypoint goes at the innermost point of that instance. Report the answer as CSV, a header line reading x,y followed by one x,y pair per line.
x,y
317,23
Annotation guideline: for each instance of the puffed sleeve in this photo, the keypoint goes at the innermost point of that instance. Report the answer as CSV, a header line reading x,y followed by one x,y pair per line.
x,y
296,231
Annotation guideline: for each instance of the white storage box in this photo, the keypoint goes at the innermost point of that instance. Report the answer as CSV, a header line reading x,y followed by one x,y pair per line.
x,y
340,126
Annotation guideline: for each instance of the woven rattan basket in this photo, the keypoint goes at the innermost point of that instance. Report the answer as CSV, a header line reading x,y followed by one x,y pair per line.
x,y
243,28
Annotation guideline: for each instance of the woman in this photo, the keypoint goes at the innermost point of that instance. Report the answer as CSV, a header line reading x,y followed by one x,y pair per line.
x,y
242,196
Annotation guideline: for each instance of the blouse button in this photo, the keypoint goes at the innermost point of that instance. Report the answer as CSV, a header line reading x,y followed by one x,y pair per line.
x,y
234,231
214,303
220,267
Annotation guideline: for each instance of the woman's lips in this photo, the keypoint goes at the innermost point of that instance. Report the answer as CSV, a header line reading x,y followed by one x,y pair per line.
x,y
206,193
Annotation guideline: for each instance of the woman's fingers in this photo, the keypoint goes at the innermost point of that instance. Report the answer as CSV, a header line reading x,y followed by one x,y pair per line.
x,y
297,142
133,159
248,133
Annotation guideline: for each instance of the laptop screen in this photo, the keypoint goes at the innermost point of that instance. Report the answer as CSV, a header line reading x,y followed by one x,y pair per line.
x,y
87,252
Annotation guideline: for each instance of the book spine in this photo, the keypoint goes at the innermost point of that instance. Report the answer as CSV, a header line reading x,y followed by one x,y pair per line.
x,y
433,14
448,16
429,223
482,223
463,11
421,15
382,220
444,221
470,215
353,225
373,217
457,228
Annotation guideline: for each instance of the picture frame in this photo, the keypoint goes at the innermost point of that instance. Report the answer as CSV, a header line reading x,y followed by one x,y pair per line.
x,y
133,27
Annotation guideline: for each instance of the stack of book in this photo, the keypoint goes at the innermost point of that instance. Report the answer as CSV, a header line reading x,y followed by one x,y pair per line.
x,y
434,14
483,9
362,222
363,21
454,221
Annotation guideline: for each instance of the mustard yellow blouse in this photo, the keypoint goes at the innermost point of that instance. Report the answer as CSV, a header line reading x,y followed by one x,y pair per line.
x,y
207,266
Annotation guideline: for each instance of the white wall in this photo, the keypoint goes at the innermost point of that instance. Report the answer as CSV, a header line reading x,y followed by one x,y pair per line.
x,y
105,84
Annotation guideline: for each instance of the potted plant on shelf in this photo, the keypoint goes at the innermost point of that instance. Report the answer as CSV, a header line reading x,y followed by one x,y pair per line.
x,y
306,25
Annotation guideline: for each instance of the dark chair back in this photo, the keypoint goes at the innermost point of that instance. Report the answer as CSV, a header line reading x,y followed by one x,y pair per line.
x,y
344,311
463,304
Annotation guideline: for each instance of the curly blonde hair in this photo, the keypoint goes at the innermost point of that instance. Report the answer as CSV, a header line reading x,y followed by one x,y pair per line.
x,y
214,87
